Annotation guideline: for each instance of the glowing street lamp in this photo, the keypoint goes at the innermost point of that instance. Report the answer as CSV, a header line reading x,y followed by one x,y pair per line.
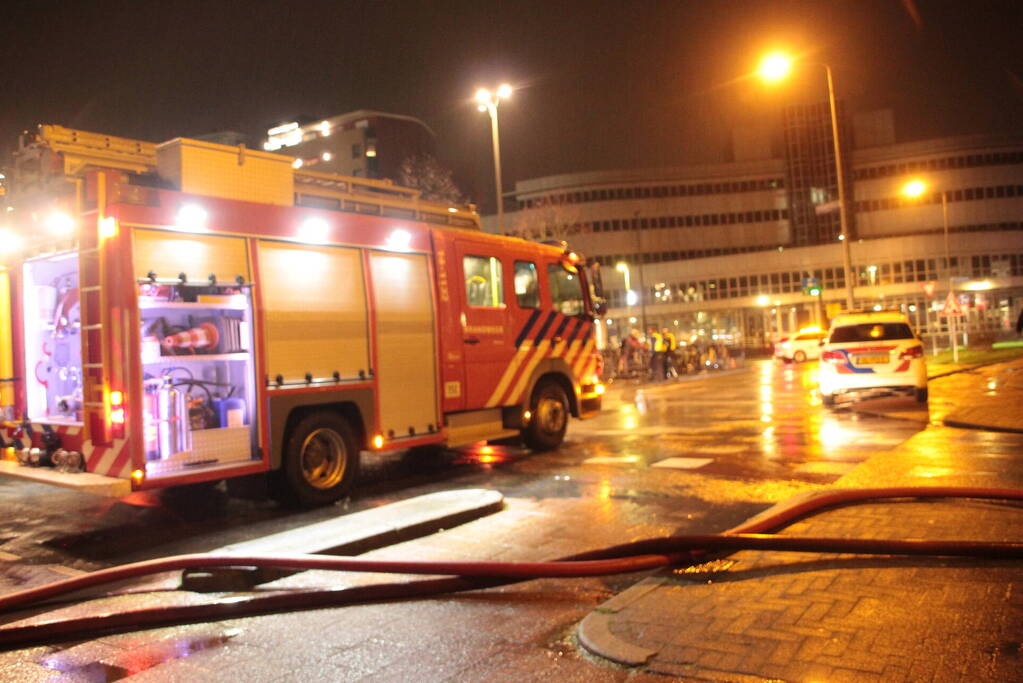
x,y
773,68
488,101
915,189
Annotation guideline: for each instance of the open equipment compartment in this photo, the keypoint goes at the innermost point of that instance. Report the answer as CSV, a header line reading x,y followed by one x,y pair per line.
x,y
53,339
198,376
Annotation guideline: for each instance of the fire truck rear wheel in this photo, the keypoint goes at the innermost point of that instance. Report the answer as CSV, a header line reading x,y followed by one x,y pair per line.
x,y
549,408
321,460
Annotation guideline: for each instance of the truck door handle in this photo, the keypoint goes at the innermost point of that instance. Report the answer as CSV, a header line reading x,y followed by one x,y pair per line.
x,y
472,340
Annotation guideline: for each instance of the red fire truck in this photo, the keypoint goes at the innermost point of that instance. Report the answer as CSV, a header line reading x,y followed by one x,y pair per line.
x,y
187,312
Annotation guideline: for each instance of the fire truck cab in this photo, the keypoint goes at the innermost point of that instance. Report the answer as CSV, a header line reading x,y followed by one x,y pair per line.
x,y
187,312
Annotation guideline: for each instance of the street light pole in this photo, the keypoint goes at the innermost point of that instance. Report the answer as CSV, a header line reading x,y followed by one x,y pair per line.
x,y
952,332
488,102
623,268
776,66
916,188
843,207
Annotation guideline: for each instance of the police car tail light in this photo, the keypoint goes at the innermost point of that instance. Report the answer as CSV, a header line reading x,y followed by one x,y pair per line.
x,y
912,352
832,356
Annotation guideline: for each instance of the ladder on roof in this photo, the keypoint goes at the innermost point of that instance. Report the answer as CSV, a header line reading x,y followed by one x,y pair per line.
x,y
81,150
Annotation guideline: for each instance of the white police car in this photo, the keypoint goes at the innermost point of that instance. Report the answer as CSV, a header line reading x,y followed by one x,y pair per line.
x,y
872,353
801,347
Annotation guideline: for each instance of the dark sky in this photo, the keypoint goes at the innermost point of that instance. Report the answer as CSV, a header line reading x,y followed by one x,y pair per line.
x,y
601,84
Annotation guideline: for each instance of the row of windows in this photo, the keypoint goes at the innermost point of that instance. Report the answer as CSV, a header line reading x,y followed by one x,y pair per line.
x,y
787,282
965,161
663,256
678,255
484,285
617,224
964,195
905,168
616,193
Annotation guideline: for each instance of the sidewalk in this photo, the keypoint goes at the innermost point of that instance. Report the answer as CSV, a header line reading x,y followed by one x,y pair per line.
x,y
803,617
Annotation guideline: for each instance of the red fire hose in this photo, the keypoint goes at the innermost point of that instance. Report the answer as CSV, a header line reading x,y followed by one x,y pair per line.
x,y
630,557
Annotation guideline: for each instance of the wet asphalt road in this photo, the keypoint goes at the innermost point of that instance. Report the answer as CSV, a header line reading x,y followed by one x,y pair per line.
x,y
715,448
694,456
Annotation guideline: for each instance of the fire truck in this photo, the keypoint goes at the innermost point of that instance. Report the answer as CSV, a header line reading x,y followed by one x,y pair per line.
x,y
187,311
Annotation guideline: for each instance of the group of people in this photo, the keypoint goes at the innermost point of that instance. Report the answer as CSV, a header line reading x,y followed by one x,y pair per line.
x,y
660,356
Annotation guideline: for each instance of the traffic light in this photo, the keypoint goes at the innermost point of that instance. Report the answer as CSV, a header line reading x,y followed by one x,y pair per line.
x,y
810,286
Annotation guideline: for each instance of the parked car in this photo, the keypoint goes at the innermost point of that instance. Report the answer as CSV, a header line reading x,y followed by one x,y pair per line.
x,y
872,352
801,347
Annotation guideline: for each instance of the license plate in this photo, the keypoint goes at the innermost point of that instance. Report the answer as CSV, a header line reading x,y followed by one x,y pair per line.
x,y
871,360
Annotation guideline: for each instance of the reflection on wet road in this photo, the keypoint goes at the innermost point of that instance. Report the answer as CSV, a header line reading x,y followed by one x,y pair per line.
x,y
700,455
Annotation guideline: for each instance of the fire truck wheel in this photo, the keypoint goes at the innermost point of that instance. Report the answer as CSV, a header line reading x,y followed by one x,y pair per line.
x,y
321,460
549,407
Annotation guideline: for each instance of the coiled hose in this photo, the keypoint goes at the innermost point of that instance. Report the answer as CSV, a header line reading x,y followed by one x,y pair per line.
x,y
755,534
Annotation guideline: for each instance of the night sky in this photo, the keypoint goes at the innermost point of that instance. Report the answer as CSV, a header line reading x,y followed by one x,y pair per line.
x,y
601,84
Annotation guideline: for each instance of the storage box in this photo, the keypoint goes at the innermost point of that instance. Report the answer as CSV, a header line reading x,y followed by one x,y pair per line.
x,y
206,168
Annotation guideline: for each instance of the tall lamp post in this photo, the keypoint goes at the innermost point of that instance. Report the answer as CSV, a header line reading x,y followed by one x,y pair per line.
x,y
623,268
915,189
775,67
488,102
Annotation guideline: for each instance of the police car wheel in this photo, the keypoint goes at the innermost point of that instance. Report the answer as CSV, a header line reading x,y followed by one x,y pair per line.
x,y
799,357
321,460
549,419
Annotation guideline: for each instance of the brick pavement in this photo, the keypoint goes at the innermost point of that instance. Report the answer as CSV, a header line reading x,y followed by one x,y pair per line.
x,y
806,617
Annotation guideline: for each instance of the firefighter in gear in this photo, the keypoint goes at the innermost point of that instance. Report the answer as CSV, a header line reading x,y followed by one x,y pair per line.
x,y
658,352
670,344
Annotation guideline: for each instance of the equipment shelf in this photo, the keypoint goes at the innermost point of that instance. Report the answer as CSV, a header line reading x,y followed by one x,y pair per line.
x,y
166,360
192,305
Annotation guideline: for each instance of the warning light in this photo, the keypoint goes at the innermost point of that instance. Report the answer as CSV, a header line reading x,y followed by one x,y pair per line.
x,y
116,398
107,228
117,416
599,389
378,441
487,450
526,416
137,476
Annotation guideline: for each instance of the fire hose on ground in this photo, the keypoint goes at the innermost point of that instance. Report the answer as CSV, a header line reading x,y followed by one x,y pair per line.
x,y
670,551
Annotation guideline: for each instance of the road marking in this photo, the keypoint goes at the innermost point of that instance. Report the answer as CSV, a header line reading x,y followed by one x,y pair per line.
x,y
826,467
683,463
612,460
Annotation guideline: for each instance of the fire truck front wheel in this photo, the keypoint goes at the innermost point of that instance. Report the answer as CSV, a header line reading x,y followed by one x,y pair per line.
x,y
549,417
321,460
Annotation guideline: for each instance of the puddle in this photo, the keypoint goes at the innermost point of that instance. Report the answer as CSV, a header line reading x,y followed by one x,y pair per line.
x,y
132,658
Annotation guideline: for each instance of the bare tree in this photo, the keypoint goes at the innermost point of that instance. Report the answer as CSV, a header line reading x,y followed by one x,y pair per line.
x,y
547,220
424,173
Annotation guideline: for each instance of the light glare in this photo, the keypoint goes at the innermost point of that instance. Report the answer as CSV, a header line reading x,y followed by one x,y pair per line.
x,y
775,67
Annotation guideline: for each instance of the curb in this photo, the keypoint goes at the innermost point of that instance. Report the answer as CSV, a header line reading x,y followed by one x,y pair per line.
x,y
351,534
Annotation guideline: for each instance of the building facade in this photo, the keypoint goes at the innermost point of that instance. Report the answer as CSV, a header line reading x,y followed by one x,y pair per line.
x,y
364,143
725,251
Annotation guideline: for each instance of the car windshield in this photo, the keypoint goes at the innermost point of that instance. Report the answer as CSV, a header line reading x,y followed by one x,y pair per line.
x,y
867,332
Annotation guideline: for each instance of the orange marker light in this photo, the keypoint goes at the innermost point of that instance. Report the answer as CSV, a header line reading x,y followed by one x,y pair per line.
x,y
138,476
378,441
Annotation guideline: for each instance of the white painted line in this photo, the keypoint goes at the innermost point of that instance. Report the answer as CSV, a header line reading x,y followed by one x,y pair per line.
x,y
612,460
683,463
719,450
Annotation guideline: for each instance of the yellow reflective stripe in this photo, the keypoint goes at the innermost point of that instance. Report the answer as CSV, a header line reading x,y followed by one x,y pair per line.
x,y
541,351
509,373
